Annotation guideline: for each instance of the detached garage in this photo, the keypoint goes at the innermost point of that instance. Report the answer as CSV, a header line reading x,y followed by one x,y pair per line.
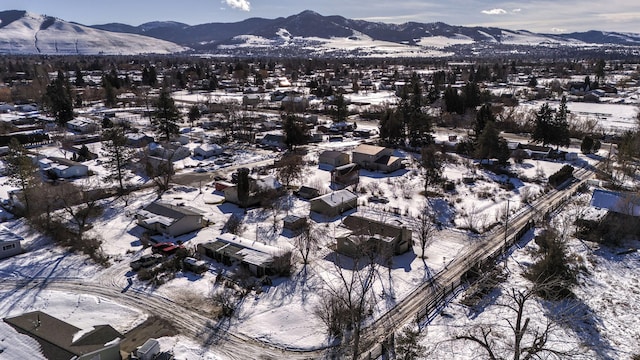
x,y
335,203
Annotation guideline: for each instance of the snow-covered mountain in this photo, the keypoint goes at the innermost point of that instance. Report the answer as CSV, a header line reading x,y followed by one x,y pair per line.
x,y
304,34
22,32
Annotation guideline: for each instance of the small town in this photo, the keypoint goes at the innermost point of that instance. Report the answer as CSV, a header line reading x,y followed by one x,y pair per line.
x,y
187,206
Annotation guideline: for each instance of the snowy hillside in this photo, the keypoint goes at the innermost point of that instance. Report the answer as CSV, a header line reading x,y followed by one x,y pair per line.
x,y
38,34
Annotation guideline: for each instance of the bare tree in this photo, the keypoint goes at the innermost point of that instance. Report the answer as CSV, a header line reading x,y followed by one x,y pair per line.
x,y
352,293
524,341
22,173
79,202
306,241
290,168
425,227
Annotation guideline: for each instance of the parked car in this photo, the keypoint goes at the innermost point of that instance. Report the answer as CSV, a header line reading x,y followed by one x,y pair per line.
x,y
194,265
145,261
165,248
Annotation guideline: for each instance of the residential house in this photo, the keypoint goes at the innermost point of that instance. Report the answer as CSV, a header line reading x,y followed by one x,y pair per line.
x,y
623,203
333,158
251,100
138,140
259,258
207,150
334,203
363,233
376,158
346,175
62,341
170,219
56,167
171,152
274,140
257,187
10,243
82,125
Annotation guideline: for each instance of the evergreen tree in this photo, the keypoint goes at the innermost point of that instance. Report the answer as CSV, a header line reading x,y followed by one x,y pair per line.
x,y
79,78
487,142
543,126
194,114
560,126
110,99
340,111
243,187
58,100
166,116
453,101
391,127
295,131
117,154
432,164
483,117
22,172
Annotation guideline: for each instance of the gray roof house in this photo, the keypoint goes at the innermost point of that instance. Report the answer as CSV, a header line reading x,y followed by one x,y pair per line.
x,y
391,237
63,168
10,243
335,203
627,204
261,259
170,219
62,341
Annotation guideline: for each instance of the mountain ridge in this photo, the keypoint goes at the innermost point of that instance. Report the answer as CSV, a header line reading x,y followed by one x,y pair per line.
x,y
305,34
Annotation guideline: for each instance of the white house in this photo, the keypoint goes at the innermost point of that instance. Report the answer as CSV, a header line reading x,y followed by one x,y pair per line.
x,y
628,204
10,243
63,168
207,150
82,125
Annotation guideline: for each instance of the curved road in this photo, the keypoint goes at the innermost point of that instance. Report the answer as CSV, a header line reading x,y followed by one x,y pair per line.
x,y
191,323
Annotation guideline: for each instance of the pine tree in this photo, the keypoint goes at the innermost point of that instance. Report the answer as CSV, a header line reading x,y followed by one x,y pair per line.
x,y
117,155
543,128
194,114
166,116
483,117
560,126
58,100
487,146
22,172
295,131
391,127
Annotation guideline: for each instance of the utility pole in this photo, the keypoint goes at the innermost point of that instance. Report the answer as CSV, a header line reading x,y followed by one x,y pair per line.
x,y
506,226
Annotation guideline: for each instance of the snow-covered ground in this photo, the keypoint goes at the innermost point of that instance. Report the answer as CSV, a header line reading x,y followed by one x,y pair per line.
x,y
282,314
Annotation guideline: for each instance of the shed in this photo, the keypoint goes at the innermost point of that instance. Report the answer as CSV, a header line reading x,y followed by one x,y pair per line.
x,y
294,223
148,350
333,158
10,243
335,203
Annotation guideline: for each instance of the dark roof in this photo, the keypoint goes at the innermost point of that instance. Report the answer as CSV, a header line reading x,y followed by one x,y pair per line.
x,y
346,169
56,336
172,211
362,225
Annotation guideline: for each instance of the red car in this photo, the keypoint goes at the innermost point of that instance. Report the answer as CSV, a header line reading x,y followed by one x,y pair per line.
x,y
165,248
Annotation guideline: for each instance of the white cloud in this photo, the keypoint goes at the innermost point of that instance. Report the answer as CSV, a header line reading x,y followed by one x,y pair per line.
x,y
494,12
558,30
243,5
516,10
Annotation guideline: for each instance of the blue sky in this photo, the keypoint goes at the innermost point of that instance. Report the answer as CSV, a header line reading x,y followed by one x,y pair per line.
x,y
541,16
